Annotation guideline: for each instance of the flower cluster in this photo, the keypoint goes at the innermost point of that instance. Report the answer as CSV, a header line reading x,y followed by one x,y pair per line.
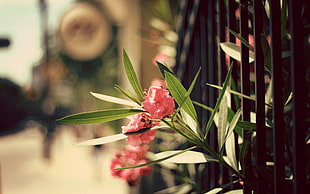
x,y
131,156
137,123
158,104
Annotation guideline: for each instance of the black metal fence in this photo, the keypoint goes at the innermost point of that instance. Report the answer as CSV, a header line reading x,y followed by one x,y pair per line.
x,y
280,32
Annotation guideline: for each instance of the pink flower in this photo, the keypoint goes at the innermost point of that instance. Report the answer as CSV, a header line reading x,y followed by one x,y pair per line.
x,y
142,138
158,102
139,122
130,156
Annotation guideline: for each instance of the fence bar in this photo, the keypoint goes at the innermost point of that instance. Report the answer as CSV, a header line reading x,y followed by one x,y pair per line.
x,y
212,78
260,97
221,23
231,24
181,27
203,60
221,63
298,70
245,89
277,80
184,47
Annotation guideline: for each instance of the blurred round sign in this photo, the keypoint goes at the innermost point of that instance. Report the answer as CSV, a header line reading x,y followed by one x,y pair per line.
x,y
84,32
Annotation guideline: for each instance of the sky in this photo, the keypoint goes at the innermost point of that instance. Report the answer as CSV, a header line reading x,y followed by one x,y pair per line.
x,y
20,22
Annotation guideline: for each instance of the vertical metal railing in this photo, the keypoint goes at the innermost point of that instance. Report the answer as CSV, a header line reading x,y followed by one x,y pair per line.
x,y
298,70
277,81
246,162
260,96
211,77
204,25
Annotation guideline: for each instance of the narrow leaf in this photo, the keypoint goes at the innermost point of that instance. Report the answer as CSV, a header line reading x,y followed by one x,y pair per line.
x,y
179,93
267,53
244,149
222,122
233,123
236,93
103,140
179,129
189,121
234,51
203,106
233,92
214,191
283,18
233,87
186,157
230,141
112,138
158,160
218,101
131,75
98,116
114,100
242,40
237,191
128,94
247,125
191,87
178,189
163,68
268,96
231,152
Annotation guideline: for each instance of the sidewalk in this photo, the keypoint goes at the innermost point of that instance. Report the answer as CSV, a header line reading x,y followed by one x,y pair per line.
x,y
73,169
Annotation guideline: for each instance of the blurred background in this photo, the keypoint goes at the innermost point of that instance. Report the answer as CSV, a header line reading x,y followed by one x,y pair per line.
x,y
52,55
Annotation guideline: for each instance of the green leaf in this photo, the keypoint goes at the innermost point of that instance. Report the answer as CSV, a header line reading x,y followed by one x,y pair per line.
x,y
233,123
268,97
267,54
246,125
114,100
231,152
112,138
190,122
182,130
103,140
157,160
240,125
231,115
283,18
100,116
237,191
163,68
131,75
214,191
233,87
180,95
267,9
217,105
233,92
189,157
203,106
236,93
242,40
234,51
244,149
128,94
222,123
230,141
